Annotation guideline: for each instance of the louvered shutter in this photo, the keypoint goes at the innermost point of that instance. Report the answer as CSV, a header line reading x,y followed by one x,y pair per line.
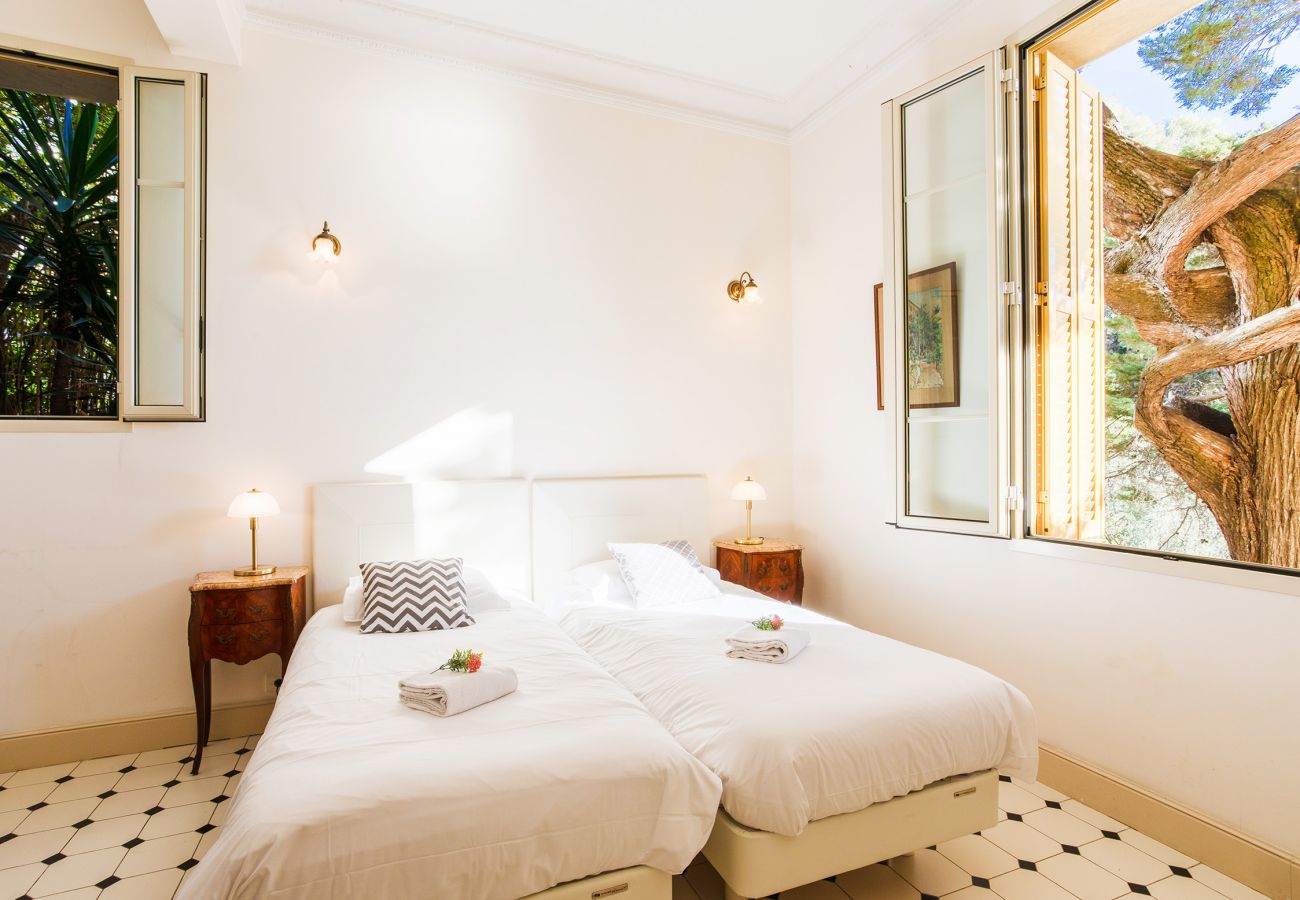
x,y
1069,371
1090,358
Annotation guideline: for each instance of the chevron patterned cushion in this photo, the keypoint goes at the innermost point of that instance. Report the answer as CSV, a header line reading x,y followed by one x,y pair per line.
x,y
413,595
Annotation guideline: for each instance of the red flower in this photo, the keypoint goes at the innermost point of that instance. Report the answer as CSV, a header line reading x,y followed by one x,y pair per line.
x,y
475,661
777,623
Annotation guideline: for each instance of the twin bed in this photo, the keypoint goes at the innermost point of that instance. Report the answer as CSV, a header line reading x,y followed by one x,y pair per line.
x,y
631,743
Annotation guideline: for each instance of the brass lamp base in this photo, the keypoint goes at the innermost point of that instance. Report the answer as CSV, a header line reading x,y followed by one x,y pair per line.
x,y
748,541
250,571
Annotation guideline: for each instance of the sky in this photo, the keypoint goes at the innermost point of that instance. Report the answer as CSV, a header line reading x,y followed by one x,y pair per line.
x,y
1122,76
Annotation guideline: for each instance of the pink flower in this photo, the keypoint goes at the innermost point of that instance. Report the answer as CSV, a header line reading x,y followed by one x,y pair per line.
x,y
475,661
777,623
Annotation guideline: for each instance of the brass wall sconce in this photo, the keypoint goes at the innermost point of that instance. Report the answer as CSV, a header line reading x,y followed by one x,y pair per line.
x,y
325,246
744,288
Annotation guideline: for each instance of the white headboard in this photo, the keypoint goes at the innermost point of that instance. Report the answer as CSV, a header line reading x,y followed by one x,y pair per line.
x,y
486,522
574,518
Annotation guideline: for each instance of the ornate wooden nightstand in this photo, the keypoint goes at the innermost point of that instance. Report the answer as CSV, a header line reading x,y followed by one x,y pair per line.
x,y
239,620
774,567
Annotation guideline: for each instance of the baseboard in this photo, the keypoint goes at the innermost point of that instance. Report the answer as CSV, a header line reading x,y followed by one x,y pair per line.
x,y
1269,870
46,748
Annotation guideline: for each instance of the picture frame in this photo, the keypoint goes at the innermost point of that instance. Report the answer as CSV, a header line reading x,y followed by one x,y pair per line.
x,y
878,293
932,365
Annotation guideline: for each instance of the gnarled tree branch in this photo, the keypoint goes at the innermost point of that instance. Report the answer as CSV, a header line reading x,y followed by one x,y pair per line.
x,y
1215,192
1203,452
1208,303
1140,181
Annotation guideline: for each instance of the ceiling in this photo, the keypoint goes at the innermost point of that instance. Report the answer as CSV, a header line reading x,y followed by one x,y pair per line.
x,y
762,65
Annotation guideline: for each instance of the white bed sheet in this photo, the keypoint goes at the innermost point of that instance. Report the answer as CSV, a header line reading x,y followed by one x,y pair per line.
x,y
350,794
855,719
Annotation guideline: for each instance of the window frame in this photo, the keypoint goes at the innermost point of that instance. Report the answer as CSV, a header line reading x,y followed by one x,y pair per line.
x,y
195,391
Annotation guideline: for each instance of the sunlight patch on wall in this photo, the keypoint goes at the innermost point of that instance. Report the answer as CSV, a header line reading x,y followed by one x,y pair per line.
x,y
472,443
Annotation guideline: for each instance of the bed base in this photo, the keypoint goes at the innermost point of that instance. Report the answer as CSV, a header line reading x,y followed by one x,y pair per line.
x,y
635,883
759,863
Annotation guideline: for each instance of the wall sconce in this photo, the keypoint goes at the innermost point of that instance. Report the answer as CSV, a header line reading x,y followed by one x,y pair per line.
x,y
325,246
744,288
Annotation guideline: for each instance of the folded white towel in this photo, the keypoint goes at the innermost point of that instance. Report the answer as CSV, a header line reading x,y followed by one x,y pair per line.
x,y
753,643
447,693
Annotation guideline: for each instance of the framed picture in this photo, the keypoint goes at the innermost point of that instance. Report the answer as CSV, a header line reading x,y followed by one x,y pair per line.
x,y
933,372
879,293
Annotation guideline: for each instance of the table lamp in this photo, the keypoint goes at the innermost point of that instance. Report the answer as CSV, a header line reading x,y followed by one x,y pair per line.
x,y
748,490
253,506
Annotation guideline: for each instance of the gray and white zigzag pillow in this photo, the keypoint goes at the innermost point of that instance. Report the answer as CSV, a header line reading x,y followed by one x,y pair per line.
x,y
413,595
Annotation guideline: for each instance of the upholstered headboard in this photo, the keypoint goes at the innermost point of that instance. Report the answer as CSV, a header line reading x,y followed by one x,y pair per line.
x,y
486,522
574,518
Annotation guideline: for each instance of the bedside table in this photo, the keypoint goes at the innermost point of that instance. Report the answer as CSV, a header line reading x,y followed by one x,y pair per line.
x,y
239,620
774,567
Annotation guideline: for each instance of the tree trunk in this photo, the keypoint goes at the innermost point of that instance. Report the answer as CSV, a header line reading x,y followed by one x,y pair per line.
x,y
1265,521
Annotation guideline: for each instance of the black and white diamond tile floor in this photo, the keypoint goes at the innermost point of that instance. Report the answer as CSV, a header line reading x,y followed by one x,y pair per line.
x,y
1045,846
129,828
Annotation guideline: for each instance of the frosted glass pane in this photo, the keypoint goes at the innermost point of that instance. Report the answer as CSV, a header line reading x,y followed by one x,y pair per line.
x,y
160,297
946,323
160,129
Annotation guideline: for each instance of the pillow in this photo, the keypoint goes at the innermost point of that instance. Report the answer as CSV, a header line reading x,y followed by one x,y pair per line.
x,y
660,576
481,595
413,595
603,581
684,549
352,600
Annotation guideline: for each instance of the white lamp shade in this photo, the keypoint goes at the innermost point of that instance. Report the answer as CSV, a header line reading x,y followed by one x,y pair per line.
x,y
752,295
748,490
253,505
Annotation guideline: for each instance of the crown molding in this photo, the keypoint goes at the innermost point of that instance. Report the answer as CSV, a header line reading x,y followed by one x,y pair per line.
x,y
317,33
845,97
469,26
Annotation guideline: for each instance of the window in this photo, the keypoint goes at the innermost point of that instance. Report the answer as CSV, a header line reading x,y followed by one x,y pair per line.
x,y
101,242
1165,367
1114,324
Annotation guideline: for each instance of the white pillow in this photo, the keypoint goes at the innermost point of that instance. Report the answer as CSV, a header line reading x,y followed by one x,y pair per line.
x,y
353,600
660,576
481,595
604,583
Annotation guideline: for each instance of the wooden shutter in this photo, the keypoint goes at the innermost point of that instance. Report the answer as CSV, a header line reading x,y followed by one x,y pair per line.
x,y
1069,420
1090,360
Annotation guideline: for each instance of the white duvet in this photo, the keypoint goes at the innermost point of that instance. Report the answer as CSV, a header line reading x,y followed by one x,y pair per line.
x,y
854,719
351,795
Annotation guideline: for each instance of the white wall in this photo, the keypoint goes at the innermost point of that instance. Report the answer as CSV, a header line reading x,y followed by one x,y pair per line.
x,y
553,271
1185,687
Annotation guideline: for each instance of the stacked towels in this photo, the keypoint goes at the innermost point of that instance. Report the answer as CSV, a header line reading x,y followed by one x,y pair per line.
x,y
753,643
446,693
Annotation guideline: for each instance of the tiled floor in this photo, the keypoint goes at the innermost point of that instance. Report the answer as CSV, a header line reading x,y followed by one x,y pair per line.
x,y
129,827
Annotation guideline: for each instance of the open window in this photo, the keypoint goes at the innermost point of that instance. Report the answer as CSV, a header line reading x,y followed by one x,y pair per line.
x,y
946,296
163,243
1161,164
101,243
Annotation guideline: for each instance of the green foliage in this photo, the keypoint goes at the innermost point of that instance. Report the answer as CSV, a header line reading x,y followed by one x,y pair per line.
x,y
1191,136
1221,53
58,256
